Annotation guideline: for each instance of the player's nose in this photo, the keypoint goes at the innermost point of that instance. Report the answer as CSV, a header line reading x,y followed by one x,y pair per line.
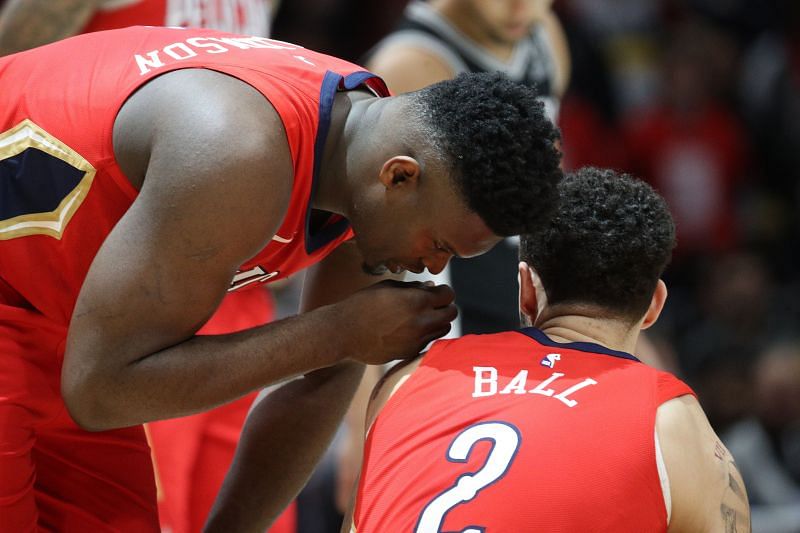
x,y
436,263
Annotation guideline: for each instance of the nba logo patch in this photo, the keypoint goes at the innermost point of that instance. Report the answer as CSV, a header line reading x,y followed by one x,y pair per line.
x,y
550,359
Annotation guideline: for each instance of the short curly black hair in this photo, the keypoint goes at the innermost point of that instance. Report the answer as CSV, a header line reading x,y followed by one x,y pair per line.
x,y
499,144
607,245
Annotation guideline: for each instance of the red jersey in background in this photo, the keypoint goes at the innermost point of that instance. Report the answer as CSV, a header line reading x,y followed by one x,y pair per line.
x,y
251,17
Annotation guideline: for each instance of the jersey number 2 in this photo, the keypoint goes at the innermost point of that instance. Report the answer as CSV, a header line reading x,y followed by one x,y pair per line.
x,y
505,440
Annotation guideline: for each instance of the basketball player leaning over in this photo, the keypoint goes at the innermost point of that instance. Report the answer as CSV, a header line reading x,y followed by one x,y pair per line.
x,y
555,427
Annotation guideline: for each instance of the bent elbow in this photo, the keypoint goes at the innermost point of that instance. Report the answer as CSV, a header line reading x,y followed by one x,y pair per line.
x,y
83,402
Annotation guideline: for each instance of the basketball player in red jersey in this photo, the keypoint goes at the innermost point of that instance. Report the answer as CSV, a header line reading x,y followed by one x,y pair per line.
x,y
555,427
26,24
149,171
192,453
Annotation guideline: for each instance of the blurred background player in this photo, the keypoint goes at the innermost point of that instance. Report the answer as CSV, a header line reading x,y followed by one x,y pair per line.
x,y
26,24
555,427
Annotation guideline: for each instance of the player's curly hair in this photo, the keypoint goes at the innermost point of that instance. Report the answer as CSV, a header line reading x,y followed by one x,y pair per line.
x,y
607,245
500,147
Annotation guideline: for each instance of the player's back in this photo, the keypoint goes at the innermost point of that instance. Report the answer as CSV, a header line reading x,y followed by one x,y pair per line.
x,y
513,432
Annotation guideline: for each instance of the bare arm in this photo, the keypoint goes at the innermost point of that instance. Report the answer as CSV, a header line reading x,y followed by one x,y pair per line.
x,y
707,491
386,387
271,464
558,42
211,198
27,24
323,285
282,441
351,444
167,264
252,496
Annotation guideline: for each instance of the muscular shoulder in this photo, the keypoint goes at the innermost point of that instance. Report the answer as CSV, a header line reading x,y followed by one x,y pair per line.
x,y
196,113
201,143
706,489
407,68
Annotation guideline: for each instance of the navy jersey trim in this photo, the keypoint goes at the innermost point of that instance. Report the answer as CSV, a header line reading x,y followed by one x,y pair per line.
x,y
33,181
588,347
43,182
331,84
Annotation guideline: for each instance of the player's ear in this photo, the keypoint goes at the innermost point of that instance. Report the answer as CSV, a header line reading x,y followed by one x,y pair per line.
x,y
656,305
528,299
400,172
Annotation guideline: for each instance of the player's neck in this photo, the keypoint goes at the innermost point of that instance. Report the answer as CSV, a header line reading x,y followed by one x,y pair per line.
x,y
471,26
578,326
335,184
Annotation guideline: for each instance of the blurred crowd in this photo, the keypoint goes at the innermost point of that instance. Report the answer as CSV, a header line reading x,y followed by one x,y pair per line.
x,y
701,98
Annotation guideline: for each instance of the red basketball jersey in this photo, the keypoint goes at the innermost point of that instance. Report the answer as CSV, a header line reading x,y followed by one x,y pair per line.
x,y
251,17
513,432
62,190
